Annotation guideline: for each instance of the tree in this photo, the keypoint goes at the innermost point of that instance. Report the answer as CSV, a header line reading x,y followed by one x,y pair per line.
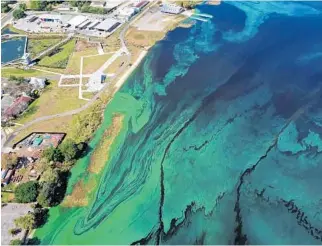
x,y
23,6
26,192
51,194
69,150
5,8
15,242
18,14
38,5
52,154
26,222
50,175
41,216
9,161
14,231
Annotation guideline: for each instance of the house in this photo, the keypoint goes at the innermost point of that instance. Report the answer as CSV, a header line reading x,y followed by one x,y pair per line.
x,y
19,105
37,83
140,5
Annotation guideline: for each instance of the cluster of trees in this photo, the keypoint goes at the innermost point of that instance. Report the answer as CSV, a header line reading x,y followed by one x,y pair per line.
x,y
86,8
41,5
67,151
78,4
5,8
188,4
16,79
50,189
20,12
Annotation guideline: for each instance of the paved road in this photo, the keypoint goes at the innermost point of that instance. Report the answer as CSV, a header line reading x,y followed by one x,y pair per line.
x,y
90,102
8,17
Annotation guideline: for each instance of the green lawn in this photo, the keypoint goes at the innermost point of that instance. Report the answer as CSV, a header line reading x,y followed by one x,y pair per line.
x,y
93,63
36,46
53,100
73,66
60,59
7,71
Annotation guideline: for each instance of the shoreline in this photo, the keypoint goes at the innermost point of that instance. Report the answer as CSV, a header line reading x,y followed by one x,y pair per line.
x,y
126,75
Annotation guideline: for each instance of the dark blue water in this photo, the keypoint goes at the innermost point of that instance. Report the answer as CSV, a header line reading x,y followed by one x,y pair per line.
x,y
12,49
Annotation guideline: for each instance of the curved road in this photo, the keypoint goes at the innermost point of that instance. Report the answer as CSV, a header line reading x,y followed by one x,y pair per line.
x,y
87,105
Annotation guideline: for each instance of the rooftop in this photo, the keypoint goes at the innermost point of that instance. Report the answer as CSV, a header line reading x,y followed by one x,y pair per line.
x,y
77,20
107,24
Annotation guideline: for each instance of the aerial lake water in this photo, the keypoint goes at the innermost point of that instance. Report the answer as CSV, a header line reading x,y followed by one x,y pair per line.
x,y
12,49
221,141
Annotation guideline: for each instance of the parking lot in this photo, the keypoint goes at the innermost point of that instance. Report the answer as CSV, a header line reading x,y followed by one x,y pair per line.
x,y
9,213
153,20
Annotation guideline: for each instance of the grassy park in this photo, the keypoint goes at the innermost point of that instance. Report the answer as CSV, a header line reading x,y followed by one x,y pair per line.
x,y
53,100
7,71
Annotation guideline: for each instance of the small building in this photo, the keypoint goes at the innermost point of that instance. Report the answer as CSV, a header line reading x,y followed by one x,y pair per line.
x,y
76,21
37,83
171,8
140,5
31,18
50,18
96,81
127,13
108,25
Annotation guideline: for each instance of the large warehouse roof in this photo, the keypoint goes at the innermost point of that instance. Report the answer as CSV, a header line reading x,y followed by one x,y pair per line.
x,y
107,24
77,20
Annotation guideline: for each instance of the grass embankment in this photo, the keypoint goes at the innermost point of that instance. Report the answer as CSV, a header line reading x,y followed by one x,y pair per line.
x,y
82,190
53,100
116,64
13,29
91,64
18,72
60,58
36,46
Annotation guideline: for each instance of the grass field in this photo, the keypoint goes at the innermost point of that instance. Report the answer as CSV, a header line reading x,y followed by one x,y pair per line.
x,y
73,66
7,71
52,101
116,64
91,64
60,59
36,46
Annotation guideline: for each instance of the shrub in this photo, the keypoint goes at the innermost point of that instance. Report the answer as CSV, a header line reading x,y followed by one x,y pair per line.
x,y
18,14
26,192
26,222
15,242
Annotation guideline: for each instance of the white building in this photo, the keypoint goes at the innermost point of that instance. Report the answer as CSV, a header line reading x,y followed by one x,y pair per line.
x,y
76,21
127,13
37,83
98,4
171,8
108,25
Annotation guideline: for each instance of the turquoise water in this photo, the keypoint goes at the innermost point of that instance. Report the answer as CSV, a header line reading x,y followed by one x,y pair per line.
x,y
222,137
12,49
